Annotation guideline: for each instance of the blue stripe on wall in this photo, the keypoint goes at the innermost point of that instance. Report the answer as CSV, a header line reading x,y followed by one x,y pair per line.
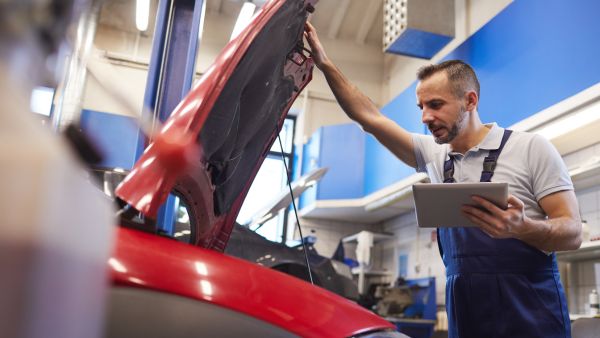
x,y
531,56
342,151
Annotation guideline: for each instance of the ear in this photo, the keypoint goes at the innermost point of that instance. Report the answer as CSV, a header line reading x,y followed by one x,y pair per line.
x,y
472,100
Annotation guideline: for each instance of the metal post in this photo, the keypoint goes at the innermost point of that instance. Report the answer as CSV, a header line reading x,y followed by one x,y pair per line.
x,y
171,72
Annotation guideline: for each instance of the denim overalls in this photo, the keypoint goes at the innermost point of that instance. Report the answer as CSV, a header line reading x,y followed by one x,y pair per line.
x,y
499,287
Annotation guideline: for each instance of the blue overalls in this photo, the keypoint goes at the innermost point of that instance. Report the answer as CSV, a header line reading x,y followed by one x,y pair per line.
x,y
499,287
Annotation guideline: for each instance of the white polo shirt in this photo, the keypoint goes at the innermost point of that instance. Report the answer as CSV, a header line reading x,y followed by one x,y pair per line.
x,y
529,163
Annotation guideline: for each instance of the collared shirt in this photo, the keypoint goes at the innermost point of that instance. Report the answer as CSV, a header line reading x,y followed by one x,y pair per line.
x,y
529,163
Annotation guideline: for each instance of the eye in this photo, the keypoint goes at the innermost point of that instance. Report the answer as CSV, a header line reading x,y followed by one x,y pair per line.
x,y
435,104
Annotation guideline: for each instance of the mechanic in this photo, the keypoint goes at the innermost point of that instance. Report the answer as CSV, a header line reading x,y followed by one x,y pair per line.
x,y
502,276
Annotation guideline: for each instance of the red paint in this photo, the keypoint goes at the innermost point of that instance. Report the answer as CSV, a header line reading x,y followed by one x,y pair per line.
x,y
151,262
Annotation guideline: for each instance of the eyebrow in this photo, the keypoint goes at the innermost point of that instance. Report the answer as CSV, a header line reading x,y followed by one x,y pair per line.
x,y
420,105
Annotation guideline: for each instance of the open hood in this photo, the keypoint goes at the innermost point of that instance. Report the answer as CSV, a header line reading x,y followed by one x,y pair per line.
x,y
232,117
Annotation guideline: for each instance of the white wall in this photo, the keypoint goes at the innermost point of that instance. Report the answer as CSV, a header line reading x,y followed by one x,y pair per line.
x,y
421,247
329,233
362,64
129,55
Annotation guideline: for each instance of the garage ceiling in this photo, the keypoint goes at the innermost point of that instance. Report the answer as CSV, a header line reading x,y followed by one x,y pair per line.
x,y
358,21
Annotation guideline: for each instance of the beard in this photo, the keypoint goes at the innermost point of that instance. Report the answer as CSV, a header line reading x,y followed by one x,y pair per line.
x,y
452,131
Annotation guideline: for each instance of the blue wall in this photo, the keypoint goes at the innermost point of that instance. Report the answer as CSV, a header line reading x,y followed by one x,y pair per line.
x,y
114,135
341,149
310,161
532,55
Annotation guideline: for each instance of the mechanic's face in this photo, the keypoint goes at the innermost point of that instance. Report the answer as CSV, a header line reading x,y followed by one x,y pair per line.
x,y
444,114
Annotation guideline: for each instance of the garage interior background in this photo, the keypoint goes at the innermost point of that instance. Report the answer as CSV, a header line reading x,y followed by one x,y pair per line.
x,y
538,70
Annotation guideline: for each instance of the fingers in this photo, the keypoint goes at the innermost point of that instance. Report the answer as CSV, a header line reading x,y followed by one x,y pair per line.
x,y
489,206
486,222
479,214
515,202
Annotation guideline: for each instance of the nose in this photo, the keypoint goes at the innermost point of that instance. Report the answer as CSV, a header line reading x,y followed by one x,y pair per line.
x,y
426,116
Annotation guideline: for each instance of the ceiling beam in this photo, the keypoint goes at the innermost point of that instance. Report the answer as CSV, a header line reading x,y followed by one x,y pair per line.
x,y
368,20
338,17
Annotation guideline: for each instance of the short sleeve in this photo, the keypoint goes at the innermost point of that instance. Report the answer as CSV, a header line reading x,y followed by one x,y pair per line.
x,y
549,173
424,148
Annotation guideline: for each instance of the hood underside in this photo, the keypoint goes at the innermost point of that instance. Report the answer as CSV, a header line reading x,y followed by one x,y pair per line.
x,y
235,113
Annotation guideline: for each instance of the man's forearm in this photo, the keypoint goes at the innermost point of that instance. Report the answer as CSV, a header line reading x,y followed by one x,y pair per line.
x,y
557,234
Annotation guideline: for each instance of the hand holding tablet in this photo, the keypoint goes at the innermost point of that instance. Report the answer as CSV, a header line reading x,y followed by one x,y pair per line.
x,y
440,204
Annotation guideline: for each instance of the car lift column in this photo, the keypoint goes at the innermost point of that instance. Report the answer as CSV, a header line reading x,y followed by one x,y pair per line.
x,y
171,72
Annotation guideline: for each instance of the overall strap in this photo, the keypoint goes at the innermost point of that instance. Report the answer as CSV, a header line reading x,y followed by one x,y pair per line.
x,y
449,170
489,162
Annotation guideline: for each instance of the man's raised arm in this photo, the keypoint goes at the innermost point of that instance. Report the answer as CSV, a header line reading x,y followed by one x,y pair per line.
x,y
359,107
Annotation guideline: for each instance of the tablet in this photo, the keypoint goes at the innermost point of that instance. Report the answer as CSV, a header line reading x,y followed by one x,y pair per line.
x,y
439,204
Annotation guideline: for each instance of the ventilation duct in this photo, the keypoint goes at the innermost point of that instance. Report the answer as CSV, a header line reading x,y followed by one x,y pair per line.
x,y
418,28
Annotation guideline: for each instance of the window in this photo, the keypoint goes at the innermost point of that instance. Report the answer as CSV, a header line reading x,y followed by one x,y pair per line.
x,y
41,100
270,181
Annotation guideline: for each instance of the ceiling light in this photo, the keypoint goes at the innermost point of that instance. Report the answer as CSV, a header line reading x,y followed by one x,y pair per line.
x,y
243,19
142,11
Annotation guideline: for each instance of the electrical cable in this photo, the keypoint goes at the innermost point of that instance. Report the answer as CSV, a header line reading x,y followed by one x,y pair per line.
x,y
287,175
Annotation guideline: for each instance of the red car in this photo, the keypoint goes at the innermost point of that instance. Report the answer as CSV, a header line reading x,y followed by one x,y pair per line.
x,y
208,152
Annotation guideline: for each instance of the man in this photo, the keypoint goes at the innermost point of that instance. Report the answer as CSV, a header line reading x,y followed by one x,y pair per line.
x,y
502,276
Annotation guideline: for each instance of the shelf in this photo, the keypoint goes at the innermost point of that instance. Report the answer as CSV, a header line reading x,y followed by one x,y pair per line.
x,y
588,250
383,204
356,271
587,174
377,236
574,316
397,199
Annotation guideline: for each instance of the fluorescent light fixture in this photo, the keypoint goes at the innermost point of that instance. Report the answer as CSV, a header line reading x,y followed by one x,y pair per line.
x,y
571,122
202,15
142,11
243,19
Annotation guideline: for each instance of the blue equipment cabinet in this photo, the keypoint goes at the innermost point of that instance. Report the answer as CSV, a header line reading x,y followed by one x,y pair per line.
x,y
424,306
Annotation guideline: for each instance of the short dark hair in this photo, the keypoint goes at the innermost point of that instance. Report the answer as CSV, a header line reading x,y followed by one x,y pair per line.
x,y
461,76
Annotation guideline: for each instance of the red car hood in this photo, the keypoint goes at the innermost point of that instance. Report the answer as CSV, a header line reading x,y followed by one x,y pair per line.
x,y
146,261
229,121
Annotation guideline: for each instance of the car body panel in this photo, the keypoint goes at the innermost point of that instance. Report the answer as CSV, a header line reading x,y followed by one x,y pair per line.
x,y
151,262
